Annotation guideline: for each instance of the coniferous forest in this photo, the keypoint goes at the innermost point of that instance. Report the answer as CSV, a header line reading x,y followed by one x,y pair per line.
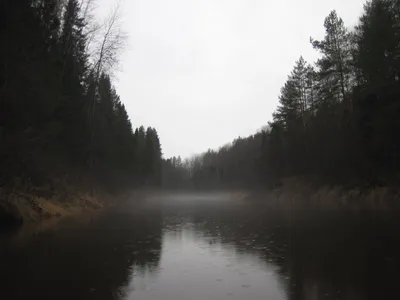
x,y
337,119
62,123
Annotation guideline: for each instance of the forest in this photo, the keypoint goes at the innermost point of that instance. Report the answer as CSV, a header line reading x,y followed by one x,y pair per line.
x,y
337,119
62,124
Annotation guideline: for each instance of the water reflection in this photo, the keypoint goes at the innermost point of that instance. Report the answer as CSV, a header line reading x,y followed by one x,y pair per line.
x,y
343,256
198,266
91,260
274,254
207,254
197,248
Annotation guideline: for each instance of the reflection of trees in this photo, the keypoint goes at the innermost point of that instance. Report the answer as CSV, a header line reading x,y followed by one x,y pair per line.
x,y
91,261
147,244
318,255
323,259
344,256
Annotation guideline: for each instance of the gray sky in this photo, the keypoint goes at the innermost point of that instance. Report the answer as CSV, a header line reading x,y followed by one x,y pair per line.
x,y
203,72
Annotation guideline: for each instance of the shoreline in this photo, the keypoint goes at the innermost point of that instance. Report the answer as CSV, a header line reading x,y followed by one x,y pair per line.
x,y
22,209
302,195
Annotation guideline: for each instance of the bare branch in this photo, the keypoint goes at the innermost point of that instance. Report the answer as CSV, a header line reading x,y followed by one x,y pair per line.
x,y
107,42
106,48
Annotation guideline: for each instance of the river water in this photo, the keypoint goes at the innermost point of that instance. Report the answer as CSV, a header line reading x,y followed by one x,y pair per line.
x,y
204,246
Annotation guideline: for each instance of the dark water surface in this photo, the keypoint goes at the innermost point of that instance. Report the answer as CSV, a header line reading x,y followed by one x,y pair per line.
x,y
204,246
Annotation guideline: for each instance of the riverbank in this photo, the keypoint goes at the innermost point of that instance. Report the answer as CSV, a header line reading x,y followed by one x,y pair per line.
x,y
300,194
19,208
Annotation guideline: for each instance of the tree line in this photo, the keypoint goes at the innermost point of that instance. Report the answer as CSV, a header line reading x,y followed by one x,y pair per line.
x,y
62,122
337,119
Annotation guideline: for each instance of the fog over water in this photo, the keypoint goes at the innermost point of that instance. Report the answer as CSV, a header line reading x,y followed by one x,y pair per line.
x,y
204,246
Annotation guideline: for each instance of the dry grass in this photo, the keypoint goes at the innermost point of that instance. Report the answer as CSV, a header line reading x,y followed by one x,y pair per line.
x,y
297,194
34,209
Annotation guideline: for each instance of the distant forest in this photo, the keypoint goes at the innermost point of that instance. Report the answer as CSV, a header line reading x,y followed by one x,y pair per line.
x,y
62,123
338,119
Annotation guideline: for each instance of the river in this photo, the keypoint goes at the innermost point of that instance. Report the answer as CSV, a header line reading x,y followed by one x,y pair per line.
x,y
202,246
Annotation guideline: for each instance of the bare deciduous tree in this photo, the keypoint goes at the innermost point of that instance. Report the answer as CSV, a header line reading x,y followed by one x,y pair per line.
x,y
92,27
107,42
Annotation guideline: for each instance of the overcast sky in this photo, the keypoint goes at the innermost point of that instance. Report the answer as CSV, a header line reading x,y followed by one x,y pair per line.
x,y
203,72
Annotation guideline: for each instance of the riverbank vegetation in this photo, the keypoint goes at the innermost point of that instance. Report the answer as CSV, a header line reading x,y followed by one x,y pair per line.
x,y
64,130
337,122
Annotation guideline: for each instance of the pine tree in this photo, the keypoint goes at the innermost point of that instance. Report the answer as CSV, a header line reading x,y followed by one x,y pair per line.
x,y
335,65
73,77
153,157
50,15
288,110
377,40
304,82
